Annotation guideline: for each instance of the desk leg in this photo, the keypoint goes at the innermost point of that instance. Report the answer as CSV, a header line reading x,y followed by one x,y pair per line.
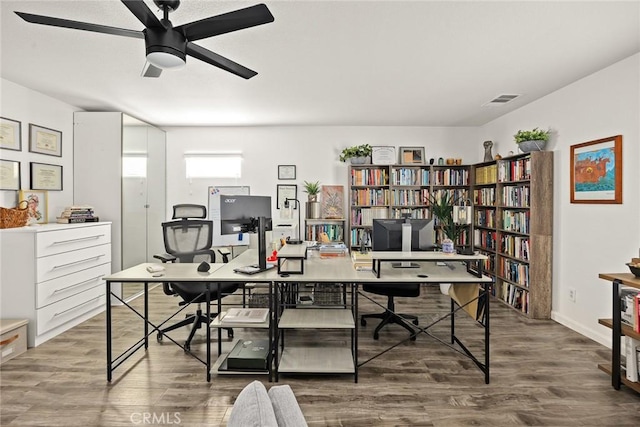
x,y
108,309
276,308
615,338
354,302
271,346
486,287
146,315
208,301
453,321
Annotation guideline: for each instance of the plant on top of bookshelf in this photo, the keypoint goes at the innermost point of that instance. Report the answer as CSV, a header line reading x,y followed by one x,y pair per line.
x,y
531,140
312,189
359,154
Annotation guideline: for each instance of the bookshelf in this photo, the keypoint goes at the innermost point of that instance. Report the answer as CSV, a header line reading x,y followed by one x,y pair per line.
x,y
333,228
513,226
390,191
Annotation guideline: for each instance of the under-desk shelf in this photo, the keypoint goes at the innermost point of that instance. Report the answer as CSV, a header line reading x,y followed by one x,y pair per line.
x,y
316,360
316,318
219,367
217,323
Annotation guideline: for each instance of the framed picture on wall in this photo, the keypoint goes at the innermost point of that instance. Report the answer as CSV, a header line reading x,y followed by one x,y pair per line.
x,y
286,172
286,191
45,141
46,177
37,204
596,171
411,155
332,201
10,134
9,175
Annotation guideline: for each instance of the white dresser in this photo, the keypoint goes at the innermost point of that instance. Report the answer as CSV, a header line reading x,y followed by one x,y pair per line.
x,y
52,275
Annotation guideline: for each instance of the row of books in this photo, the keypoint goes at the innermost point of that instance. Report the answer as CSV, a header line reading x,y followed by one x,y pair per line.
x,y
77,214
630,307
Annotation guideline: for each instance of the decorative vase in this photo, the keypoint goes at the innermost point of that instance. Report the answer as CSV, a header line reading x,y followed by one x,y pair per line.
x,y
487,151
360,160
448,247
528,146
313,210
312,198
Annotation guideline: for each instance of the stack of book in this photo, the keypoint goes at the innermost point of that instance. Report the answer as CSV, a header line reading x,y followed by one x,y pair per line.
x,y
335,249
77,214
362,261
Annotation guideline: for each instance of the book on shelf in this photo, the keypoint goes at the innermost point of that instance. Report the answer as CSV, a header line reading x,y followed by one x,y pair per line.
x,y
245,315
631,347
630,306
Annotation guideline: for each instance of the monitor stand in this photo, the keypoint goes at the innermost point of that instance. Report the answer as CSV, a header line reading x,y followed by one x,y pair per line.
x,y
262,251
406,248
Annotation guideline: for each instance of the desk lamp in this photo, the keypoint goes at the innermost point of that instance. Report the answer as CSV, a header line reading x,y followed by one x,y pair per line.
x,y
296,206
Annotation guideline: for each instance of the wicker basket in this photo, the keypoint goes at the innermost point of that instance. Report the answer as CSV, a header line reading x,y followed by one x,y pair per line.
x,y
14,217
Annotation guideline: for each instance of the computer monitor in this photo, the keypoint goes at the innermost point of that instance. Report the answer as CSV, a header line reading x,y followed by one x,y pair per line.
x,y
247,214
387,236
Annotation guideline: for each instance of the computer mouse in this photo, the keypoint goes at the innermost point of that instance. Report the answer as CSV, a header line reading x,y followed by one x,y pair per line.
x,y
204,267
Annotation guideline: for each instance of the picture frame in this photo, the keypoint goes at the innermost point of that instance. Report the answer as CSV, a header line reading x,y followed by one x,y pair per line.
x,y
10,134
596,171
286,191
37,203
9,175
332,201
411,156
286,172
45,176
43,140
383,155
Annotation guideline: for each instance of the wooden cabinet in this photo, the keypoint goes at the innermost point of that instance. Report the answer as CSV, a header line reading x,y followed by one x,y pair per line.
x,y
619,329
513,226
52,275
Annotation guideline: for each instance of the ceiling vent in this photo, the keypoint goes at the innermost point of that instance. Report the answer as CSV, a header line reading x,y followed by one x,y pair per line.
x,y
500,100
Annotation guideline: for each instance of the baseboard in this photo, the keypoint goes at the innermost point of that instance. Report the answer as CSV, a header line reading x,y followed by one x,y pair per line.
x,y
601,335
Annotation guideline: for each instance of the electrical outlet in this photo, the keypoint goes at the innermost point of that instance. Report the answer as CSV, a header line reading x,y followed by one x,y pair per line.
x,y
572,294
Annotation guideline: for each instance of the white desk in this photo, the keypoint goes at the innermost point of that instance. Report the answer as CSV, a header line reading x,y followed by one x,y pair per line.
x,y
138,274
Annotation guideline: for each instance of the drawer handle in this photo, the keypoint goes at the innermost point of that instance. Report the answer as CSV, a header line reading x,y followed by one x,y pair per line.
x,y
79,305
77,262
9,340
62,242
77,284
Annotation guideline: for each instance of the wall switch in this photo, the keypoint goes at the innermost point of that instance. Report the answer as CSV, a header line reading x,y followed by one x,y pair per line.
x,y
572,294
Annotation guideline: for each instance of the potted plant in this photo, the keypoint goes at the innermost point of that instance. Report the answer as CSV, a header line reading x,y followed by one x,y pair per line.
x,y
531,140
312,206
358,154
441,205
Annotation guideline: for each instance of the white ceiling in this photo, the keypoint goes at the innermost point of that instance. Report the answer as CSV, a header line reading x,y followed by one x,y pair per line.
x,y
388,63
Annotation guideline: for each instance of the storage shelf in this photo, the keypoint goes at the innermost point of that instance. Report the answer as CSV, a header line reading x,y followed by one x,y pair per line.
x,y
316,360
626,329
216,323
316,318
632,385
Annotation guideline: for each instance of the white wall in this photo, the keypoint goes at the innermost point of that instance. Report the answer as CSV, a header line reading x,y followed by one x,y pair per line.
x,y
27,106
314,151
588,239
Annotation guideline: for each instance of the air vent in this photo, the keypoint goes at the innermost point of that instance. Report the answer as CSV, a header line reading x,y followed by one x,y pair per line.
x,y
501,100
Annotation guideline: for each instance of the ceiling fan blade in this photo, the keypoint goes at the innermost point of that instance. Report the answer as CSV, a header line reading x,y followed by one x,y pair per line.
x,y
143,13
219,61
227,22
76,25
150,70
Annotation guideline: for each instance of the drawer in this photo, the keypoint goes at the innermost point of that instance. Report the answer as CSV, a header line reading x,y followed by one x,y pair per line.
x,y
59,313
48,268
63,287
59,241
13,339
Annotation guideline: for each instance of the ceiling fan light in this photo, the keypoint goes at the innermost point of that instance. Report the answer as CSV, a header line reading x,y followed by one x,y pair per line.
x,y
165,60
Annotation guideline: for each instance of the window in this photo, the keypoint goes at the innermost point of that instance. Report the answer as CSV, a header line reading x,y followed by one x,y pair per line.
x,y
213,165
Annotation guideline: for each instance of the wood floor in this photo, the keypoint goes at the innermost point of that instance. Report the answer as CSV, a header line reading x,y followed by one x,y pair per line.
x,y
542,374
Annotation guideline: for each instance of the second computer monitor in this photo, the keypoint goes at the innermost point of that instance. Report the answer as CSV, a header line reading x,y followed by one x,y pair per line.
x,y
240,213
387,234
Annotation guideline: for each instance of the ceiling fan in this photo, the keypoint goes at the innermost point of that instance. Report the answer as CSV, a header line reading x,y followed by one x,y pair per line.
x,y
168,46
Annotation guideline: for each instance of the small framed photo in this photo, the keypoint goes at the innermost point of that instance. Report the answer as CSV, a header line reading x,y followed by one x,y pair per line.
x,y
383,155
46,177
596,171
37,205
411,155
286,191
45,141
286,171
10,134
9,175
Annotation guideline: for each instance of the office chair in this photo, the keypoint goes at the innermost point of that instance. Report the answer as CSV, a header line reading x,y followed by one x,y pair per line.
x,y
188,239
391,290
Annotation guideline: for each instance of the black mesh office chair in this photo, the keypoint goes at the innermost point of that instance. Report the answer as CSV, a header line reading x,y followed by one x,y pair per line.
x,y
391,290
188,239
